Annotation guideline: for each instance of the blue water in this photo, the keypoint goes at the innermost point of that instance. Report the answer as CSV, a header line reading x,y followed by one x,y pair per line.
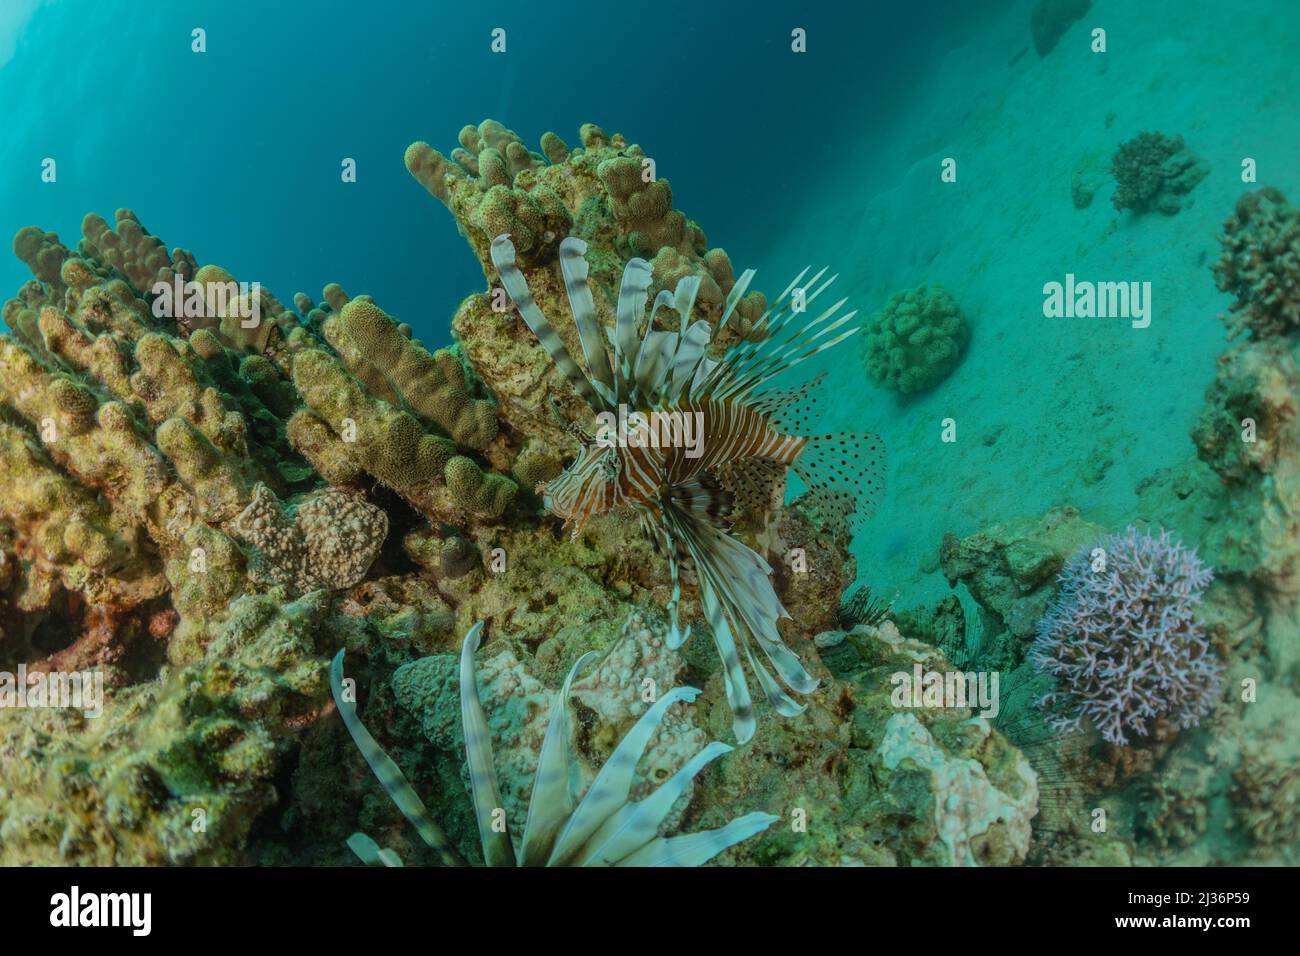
x,y
235,154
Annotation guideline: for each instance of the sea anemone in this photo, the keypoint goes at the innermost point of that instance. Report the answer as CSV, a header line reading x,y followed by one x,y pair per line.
x,y
1122,641
603,828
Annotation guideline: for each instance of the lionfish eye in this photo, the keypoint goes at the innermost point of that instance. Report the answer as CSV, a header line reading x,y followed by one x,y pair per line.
x,y
567,462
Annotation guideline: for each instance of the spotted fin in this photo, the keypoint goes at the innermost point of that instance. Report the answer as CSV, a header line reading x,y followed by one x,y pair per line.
x,y
792,410
845,473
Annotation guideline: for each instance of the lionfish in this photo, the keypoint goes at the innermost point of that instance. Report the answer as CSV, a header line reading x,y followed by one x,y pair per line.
x,y
606,827
685,501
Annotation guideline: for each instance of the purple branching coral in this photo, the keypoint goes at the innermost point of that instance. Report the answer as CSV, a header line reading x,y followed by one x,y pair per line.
x,y
1122,642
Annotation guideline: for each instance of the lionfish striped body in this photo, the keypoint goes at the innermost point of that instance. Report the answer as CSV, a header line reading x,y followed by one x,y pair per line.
x,y
684,496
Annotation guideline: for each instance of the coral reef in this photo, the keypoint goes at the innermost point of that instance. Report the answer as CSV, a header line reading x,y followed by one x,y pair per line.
x,y
1050,19
176,770
205,513
1123,642
915,340
1153,172
1260,265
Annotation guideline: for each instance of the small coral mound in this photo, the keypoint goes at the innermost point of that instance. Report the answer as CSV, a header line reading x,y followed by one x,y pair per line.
x,y
1122,640
1260,265
1152,171
328,541
915,340
1050,19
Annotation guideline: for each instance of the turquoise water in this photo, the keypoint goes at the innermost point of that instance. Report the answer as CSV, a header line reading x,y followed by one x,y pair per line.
x,y
235,153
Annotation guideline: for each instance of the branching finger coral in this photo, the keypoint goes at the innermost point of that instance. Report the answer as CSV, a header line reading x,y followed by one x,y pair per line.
x,y
1123,642
602,828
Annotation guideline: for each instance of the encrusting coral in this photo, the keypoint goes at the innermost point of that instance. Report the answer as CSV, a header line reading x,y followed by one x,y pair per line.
x,y
1153,172
915,340
326,542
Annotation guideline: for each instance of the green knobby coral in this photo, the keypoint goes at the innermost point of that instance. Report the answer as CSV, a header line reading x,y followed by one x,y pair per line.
x,y
603,828
916,340
395,368
346,430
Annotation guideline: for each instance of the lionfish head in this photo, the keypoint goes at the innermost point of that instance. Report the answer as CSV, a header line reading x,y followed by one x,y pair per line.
x,y
587,487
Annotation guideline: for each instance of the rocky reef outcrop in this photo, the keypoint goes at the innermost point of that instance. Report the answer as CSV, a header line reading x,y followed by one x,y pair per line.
x,y
206,494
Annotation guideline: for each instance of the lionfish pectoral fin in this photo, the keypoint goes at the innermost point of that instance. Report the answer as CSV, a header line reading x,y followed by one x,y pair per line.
x,y
742,609
845,475
703,498
676,637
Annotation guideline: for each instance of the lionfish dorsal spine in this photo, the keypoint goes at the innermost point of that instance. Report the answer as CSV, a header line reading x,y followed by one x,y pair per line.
x,y
516,286
573,266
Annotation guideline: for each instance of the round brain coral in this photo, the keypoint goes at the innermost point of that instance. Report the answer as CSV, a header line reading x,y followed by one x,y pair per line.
x,y
915,340
1122,641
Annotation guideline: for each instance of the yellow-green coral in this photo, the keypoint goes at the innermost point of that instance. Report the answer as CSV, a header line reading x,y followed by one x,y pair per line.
x,y
396,369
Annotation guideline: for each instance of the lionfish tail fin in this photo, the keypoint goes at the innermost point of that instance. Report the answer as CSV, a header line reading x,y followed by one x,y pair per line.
x,y
845,475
